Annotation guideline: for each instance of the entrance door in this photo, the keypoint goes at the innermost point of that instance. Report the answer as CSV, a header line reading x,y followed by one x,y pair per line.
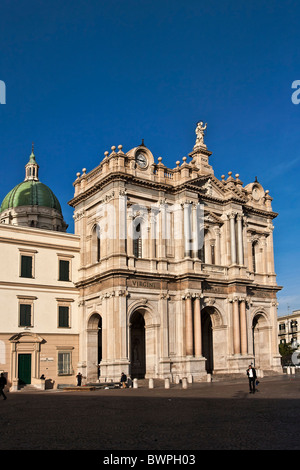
x,y
138,353
24,369
207,340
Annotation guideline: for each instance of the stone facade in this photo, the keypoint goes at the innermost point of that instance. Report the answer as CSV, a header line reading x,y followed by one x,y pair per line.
x,y
176,273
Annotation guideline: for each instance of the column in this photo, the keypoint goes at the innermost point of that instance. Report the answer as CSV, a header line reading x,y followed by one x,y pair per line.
x,y
236,327
197,327
232,238
240,239
243,325
189,325
122,222
187,230
270,251
218,245
196,231
153,233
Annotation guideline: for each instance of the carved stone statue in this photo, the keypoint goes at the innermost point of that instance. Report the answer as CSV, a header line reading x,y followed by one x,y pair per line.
x,y
200,134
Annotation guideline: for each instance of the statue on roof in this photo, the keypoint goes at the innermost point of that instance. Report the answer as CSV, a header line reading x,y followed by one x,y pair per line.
x,y
200,134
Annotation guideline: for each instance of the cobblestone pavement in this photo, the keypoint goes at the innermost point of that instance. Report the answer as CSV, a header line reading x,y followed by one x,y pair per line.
x,y
206,416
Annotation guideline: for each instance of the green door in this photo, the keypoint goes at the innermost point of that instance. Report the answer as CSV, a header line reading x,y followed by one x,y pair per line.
x,y
24,369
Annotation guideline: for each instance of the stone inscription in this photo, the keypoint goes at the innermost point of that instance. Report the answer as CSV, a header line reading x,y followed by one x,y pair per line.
x,y
145,284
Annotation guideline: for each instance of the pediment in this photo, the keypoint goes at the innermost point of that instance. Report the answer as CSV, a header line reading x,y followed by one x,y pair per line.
x,y
210,186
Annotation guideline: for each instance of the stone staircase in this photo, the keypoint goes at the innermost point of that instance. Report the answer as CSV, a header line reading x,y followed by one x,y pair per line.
x,y
29,388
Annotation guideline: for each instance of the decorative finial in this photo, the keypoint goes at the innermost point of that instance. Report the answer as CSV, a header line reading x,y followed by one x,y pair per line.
x,y
32,147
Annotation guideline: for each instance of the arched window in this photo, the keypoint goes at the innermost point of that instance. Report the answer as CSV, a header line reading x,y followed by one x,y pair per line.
x,y
98,246
137,241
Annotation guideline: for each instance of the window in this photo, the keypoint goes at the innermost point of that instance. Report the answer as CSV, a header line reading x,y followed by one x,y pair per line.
x,y
294,325
213,257
282,327
25,315
63,317
26,266
137,242
98,248
253,258
64,363
64,270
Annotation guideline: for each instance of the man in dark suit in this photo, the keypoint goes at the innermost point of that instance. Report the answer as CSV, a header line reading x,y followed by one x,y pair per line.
x,y
252,378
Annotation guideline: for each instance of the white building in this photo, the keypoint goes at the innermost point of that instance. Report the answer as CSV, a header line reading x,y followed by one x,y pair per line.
x,y
170,273
39,321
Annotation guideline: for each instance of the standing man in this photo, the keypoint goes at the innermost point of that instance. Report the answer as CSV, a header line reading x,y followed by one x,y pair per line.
x,y
3,382
252,378
79,379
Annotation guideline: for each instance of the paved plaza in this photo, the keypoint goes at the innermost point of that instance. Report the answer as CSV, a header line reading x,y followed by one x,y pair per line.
x,y
206,416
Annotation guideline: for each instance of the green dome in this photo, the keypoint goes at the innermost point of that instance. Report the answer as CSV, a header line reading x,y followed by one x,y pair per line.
x,y
30,193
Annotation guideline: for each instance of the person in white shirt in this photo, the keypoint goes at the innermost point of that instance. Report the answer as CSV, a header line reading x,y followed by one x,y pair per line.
x,y
252,378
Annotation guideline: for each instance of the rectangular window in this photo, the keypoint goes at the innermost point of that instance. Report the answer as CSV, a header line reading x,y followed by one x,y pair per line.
x,y
25,315
64,270
63,317
26,266
64,363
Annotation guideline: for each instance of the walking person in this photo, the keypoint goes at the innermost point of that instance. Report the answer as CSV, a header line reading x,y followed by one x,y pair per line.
x,y
3,382
251,373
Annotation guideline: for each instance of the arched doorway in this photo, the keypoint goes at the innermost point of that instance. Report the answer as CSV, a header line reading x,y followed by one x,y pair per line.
x,y
261,341
94,346
137,346
207,339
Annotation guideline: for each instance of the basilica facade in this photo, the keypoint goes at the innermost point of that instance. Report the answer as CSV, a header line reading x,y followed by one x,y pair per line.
x,y
177,271
169,274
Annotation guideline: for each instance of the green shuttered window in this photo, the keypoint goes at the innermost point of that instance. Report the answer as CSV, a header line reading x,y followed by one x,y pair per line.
x,y
26,266
25,315
64,270
63,317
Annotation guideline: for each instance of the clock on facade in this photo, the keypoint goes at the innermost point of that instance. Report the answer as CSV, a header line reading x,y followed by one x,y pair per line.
x,y
141,160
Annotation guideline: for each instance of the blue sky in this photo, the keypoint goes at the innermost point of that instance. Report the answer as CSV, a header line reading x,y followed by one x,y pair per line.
x,y
82,76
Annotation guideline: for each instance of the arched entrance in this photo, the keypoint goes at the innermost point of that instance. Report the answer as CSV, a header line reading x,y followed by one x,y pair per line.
x,y
207,339
261,341
94,346
137,346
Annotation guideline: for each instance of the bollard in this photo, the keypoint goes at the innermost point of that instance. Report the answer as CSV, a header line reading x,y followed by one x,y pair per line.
x,y
167,383
177,379
151,383
190,379
135,383
208,378
184,382
288,370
